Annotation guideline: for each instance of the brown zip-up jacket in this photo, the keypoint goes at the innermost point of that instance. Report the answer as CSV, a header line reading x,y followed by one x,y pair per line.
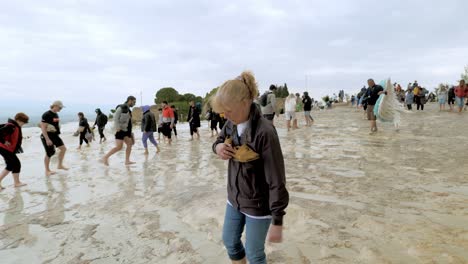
x,y
257,188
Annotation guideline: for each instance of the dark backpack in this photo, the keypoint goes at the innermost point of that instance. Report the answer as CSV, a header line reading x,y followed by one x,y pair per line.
x,y
264,99
104,119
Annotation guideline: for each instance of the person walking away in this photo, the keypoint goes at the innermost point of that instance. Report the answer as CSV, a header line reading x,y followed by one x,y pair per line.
x,y
442,95
176,119
422,98
257,195
84,129
148,127
417,99
100,122
50,137
373,94
268,104
307,101
123,134
11,138
460,95
290,108
193,119
451,98
168,120
409,100
214,119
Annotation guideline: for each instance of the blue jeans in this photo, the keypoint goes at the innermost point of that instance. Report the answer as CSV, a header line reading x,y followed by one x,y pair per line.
x,y
256,232
460,101
150,136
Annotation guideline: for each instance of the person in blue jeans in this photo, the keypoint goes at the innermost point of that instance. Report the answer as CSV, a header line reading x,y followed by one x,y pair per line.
x,y
257,195
148,127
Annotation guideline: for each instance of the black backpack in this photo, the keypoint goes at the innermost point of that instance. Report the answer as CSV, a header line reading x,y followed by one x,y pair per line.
x,y
104,119
264,99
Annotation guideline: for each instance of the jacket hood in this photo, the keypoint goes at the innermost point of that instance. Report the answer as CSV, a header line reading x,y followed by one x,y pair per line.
x,y
145,108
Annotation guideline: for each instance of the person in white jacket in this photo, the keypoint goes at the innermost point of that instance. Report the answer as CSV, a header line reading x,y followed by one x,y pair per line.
x,y
290,111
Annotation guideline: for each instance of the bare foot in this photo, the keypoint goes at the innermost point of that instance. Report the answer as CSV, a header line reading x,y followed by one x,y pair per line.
x,y
78,148
104,161
19,184
158,150
62,168
2,188
49,173
129,162
146,153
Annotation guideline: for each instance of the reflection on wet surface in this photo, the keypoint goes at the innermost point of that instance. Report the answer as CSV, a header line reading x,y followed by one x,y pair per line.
x,y
394,197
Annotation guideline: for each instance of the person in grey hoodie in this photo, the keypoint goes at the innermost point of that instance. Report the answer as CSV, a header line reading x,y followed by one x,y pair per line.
x,y
269,109
123,128
148,127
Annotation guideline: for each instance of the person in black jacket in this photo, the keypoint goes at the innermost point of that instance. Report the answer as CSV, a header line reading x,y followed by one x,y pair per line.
x,y
256,193
176,119
373,94
101,122
11,138
83,129
194,119
307,102
148,127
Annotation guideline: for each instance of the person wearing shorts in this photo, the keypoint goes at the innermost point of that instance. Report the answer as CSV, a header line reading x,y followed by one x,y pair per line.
x,y
123,134
11,138
168,120
50,137
373,95
290,110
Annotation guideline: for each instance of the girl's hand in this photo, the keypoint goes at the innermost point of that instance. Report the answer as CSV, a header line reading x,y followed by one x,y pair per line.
x,y
224,151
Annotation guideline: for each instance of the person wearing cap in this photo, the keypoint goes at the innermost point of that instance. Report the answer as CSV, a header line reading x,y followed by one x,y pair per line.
x,y
123,127
11,138
100,122
50,137
148,127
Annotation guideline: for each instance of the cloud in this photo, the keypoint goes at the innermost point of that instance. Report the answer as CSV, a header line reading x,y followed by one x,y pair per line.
x,y
95,51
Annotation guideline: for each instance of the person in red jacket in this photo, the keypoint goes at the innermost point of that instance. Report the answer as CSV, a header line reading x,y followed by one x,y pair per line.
x,y
11,138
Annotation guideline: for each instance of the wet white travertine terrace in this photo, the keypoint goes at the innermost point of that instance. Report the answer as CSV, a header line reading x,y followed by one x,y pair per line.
x,y
393,197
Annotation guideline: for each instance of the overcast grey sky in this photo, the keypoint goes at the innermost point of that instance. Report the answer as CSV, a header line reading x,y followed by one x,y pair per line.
x,y
99,51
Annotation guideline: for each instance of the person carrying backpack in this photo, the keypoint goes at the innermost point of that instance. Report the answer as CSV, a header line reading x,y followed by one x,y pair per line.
x,y
11,138
123,127
268,104
101,122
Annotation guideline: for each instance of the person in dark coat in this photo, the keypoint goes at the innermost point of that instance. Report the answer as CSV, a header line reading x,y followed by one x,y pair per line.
x,y
194,119
100,122
148,127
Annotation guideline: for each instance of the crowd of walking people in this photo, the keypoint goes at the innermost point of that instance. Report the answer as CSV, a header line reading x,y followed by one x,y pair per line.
x,y
455,96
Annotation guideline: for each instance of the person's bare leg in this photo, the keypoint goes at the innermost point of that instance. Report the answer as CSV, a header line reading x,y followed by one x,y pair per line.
x,y
128,151
373,126
117,148
295,126
18,183
47,166
146,151
61,156
288,124
3,174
